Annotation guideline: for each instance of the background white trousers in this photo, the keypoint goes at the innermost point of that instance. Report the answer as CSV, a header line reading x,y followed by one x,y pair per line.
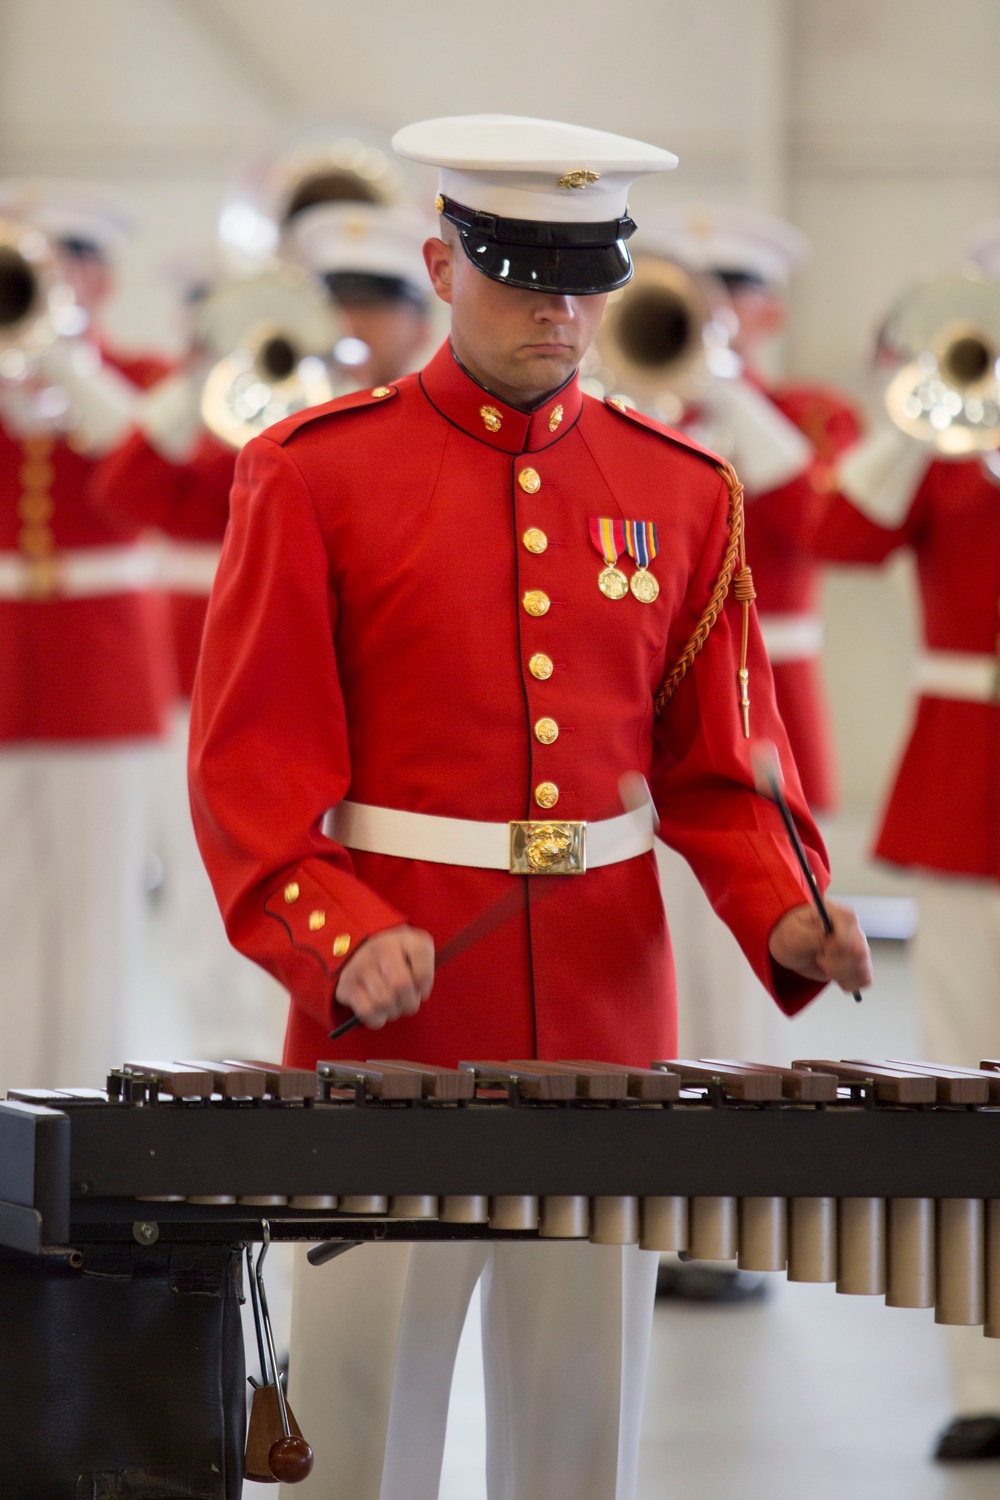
x,y
957,966
566,1329
722,1007
73,825
215,1002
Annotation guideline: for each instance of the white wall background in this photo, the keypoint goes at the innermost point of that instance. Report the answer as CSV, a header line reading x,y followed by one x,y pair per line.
x,y
874,124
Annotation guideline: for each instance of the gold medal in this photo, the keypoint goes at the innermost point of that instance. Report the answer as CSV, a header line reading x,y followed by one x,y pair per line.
x,y
612,582
644,586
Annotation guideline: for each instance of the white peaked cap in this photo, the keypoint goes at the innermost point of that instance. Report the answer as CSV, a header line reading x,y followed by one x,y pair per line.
x,y
520,168
69,213
983,247
364,238
724,237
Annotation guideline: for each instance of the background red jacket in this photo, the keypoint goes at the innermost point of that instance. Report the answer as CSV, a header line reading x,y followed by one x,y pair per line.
x,y
780,528
189,503
95,668
944,808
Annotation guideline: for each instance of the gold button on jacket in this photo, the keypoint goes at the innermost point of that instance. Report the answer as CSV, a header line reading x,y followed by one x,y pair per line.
x,y
546,794
535,540
540,666
546,730
530,481
535,602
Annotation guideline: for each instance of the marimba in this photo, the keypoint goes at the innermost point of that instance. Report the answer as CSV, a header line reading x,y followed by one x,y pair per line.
x,y
880,1177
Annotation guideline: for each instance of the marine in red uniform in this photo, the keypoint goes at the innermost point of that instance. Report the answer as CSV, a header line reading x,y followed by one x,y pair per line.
x,y
942,818
469,597
85,682
784,438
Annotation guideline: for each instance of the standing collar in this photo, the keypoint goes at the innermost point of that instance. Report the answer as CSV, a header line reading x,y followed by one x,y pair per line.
x,y
466,404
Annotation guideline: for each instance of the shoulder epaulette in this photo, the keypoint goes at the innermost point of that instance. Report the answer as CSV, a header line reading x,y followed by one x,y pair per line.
x,y
354,401
661,429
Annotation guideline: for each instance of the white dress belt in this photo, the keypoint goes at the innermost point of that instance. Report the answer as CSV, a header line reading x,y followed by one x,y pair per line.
x,y
189,567
969,675
791,637
484,846
80,572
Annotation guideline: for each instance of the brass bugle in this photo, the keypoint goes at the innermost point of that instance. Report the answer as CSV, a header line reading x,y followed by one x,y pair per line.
x,y
658,335
939,346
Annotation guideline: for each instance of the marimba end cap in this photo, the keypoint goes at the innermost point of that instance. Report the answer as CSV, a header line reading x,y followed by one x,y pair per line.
x,y
290,1459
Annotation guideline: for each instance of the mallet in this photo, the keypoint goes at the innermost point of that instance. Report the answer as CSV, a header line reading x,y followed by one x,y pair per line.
x,y
770,781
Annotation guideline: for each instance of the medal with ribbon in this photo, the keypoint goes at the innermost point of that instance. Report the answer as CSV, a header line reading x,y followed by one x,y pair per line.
x,y
642,545
608,537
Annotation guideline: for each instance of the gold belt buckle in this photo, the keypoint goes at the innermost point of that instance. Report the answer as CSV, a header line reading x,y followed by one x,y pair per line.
x,y
545,848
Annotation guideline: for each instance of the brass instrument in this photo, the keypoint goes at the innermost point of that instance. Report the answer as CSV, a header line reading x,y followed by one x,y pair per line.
x,y
272,338
940,346
662,334
35,306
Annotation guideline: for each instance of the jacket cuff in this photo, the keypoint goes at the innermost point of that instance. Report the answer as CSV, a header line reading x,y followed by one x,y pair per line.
x,y
321,933
778,890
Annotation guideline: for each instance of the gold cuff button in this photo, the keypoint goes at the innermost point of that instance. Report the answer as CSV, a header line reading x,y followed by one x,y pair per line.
x,y
341,943
529,481
540,666
381,391
546,794
292,892
317,919
536,603
535,540
546,730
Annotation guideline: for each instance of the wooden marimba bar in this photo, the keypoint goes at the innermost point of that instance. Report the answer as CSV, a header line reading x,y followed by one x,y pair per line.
x,y
611,1154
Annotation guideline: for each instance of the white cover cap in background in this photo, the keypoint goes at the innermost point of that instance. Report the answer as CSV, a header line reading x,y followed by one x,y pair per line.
x,y
727,237
364,239
71,212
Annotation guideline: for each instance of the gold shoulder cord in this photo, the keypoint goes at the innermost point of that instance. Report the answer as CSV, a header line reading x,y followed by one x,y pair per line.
x,y
734,571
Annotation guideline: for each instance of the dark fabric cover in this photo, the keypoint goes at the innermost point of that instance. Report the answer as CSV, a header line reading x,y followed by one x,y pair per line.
x,y
124,1380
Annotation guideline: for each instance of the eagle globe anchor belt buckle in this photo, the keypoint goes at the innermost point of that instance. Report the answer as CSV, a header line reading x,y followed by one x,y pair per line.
x,y
548,848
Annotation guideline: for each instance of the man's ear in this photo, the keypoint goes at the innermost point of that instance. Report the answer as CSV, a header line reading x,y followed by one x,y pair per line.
x,y
439,260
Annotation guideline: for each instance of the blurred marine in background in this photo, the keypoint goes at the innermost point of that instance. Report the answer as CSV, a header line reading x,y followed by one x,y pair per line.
x,y
343,288
85,669
928,480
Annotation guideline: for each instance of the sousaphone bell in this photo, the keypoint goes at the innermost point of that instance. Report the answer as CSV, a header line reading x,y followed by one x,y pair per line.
x,y
940,347
271,337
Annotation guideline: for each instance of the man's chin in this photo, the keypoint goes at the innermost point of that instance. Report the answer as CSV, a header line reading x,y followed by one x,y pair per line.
x,y
544,372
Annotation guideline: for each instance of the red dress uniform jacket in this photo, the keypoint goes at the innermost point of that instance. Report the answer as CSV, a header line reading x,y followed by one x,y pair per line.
x,y
367,636
187,502
944,808
73,668
780,528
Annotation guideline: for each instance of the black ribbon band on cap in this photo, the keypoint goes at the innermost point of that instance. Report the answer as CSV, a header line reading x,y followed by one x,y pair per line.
x,y
537,232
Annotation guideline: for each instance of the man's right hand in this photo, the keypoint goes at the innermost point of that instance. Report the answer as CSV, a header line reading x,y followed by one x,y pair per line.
x,y
390,976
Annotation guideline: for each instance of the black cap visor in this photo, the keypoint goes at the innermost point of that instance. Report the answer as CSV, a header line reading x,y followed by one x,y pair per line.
x,y
576,259
573,270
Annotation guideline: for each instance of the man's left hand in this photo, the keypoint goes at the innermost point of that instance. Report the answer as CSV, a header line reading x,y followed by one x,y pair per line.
x,y
799,942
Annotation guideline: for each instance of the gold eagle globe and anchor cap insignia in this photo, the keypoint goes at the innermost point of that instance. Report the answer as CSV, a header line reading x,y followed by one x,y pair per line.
x,y
538,204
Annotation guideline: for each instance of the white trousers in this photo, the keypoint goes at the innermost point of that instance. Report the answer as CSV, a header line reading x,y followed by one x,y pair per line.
x,y
957,968
216,1003
72,904
722,1007
566,1330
